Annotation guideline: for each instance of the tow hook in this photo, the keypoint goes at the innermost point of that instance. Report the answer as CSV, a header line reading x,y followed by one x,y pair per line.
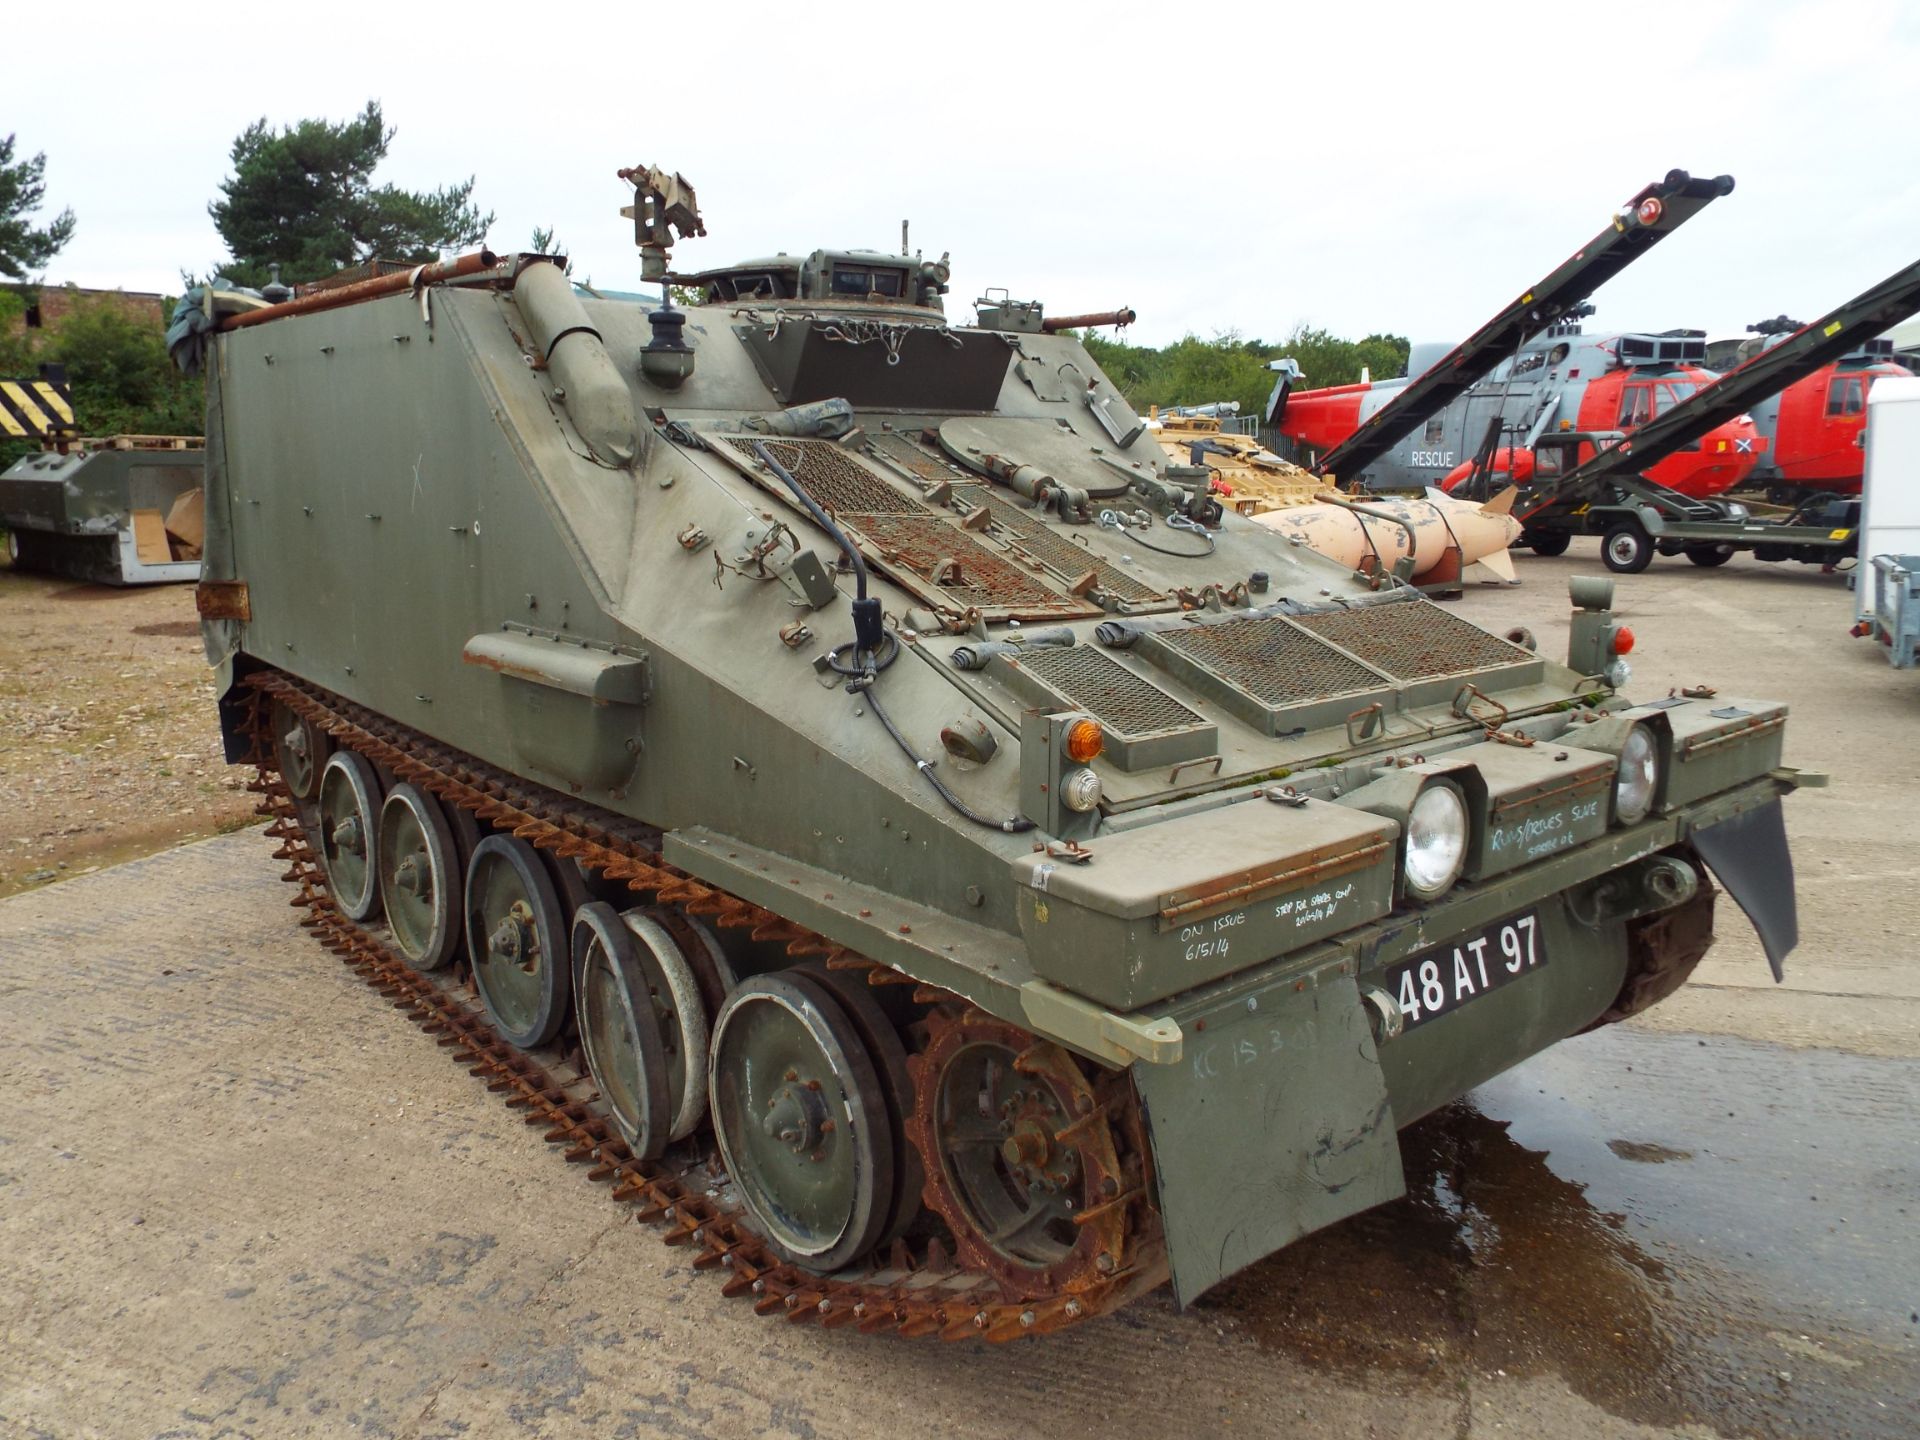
x,y
1646,887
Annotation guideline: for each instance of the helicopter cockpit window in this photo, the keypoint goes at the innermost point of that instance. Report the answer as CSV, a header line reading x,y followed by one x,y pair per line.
x,y
1636,406
1846,395
1672,392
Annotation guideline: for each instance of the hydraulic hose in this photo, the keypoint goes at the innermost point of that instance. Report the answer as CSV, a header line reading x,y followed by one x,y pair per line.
x,y
873,649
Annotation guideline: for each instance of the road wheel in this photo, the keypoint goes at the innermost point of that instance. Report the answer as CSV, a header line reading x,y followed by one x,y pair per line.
x,y
1625,548
518,940
349,801
420,878
801,1118
1708,556
1547,543
620,1029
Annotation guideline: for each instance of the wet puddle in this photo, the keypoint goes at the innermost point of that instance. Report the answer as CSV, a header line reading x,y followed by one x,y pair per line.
x,y
1718,1233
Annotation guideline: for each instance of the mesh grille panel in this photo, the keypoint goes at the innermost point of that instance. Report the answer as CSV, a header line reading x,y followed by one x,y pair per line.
x,y
923,543
1094,681
1270,660
1051,548
1413,641
902,451
833,477
923,547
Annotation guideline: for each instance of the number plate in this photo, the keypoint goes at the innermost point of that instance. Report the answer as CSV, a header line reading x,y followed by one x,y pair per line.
x,y
1439,981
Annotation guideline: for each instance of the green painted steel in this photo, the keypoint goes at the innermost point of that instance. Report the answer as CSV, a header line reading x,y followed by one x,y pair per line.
x,y
584,572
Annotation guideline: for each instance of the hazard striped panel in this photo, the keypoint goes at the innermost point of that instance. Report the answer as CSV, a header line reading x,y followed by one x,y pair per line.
x,y
35,409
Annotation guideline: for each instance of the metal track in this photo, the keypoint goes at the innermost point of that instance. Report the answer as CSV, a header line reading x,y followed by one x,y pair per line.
x,y
914,1289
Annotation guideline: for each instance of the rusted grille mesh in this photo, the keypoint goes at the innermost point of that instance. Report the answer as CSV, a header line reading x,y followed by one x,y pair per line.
x,y
924,544
1270,660
1094,681
902,451
833,477
1051,548
1416,641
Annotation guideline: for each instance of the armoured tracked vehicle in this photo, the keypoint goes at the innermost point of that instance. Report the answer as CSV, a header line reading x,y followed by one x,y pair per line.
x,y
124,510
937,907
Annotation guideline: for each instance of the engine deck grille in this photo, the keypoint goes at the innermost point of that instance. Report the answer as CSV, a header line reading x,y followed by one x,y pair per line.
x,y
1125,703
904,452
832,476
1413,641
1145,725
952,560
920,545
1053,549
1271,660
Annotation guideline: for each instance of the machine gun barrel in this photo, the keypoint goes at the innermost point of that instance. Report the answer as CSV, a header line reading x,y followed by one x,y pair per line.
x,y
1056,323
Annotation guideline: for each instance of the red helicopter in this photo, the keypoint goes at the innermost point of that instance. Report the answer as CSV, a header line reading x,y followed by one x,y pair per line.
x,y
1560,380
1815,427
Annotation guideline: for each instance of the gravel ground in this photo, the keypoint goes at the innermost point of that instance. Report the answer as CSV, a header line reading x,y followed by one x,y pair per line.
x,y
109,747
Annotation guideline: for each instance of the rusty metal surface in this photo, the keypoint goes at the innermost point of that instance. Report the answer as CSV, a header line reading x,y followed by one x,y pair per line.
x,y
914,1289
1414,641
1271,660
1122,316
1662,952
396,284
223,600
1027,532
924,547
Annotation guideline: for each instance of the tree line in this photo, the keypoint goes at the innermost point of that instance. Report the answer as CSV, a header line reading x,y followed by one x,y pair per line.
x,y
304,197
1192,371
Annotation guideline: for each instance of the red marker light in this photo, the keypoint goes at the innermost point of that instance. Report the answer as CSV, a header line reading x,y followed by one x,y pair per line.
x,y
1622,640
1650,211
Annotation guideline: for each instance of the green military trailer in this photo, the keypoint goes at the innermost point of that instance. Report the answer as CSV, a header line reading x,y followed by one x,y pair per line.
x,y
899,832
124,510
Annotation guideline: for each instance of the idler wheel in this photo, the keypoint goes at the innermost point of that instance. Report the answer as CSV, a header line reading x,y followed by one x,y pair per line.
x,y
349,803
420,884
671,989
1020,1159
300,748
801,1120
518,942
620,1029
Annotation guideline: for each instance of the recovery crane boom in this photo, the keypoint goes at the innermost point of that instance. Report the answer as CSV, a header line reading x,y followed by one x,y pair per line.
x,y
1639,225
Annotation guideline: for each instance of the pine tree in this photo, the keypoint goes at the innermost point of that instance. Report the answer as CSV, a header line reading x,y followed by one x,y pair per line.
x,y
303,196
22,187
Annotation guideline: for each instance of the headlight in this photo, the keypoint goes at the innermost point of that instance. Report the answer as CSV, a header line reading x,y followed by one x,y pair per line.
x,y
1436,842
1080,790
1637,778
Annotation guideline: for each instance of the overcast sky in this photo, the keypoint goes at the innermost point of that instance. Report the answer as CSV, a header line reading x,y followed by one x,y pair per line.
x,y
1362,167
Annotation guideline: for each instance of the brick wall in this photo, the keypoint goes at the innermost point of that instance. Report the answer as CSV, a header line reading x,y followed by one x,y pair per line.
x,y
48,306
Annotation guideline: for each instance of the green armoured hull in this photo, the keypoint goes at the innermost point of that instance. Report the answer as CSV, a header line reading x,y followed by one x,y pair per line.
x,y
523,535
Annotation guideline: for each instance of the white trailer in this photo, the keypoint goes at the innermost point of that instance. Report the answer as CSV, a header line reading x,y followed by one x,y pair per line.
x,y
1887,595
